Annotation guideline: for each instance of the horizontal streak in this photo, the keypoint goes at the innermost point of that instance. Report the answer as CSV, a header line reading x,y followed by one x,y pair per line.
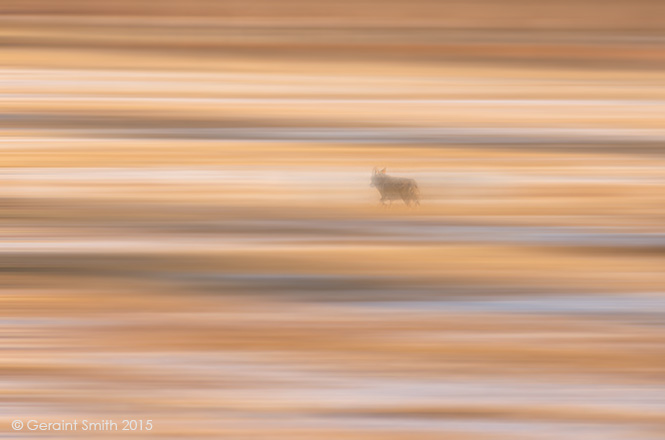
x,y
527,102
480,135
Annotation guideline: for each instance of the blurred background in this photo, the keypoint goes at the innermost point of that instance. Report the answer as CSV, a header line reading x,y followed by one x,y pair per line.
x,y
188,233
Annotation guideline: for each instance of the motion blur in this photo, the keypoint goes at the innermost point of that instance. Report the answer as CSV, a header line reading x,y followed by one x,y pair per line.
x,y
189,235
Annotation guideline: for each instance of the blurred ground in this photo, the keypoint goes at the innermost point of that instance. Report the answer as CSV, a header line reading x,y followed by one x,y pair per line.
x,y
189,235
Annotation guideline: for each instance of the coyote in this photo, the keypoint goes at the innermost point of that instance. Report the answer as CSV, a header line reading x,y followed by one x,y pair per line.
x,y
393,188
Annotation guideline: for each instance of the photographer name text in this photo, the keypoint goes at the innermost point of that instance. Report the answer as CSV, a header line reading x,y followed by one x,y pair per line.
x,y
83,425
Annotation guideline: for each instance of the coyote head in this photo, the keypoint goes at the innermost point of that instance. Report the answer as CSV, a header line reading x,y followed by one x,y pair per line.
x,y
377,177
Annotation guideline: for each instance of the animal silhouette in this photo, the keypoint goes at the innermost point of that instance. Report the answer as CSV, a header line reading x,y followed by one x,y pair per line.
x,y
395,188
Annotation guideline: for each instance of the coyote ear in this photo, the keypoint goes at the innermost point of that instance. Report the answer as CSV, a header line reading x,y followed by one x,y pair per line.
x,y
383,171
375,170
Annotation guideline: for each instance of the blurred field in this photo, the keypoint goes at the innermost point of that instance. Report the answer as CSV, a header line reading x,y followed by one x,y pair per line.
x,y
188,233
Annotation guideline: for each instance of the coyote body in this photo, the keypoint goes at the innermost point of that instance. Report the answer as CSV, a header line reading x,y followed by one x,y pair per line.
x,y
395,188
